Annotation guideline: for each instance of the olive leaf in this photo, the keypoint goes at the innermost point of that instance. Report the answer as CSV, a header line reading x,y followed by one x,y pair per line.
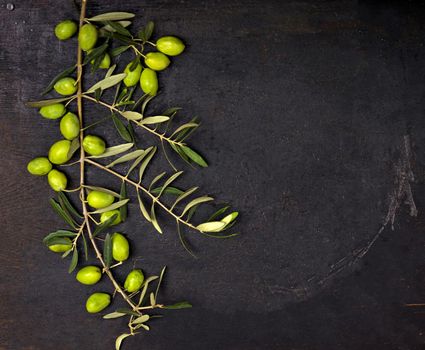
x,y
128,312
169,190
107,82
107,250
66,205
104,225
127,157
183,127
130,115
138,160
194,202
154,220
184,195
102,189
113,315
86,250
74,260
143,208
56,240
161,277
171,111
156,179
145,288
229,218
62,213
113,206
122,130
153,120
123,195
141,319
75,145
114,150
111,29
152,299
169,181
145,163
212,226
120,339
58,234
145,33
142,325
119,50
61,75
218,213
180,305
48,102
95,53
118,27
111,16
195,157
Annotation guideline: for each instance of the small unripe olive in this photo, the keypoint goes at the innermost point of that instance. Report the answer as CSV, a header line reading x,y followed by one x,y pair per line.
x,y
70,126
133,76
97,302
65,29
134,281
53,111
107,214
39,166
58,152
57,180
120,247
157,60
105,63
87,37
93,145
170,45
89,275
61,248
66,86
98,199
149,82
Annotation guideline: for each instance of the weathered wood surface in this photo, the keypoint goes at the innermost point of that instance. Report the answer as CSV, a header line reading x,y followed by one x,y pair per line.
x,y
304,106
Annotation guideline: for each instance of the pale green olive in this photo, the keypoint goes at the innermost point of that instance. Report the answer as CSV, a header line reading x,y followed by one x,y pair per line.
x,y
65,29
58,152
107,214
87,37
120,247
98,199
149,82
61,248
157,60
134,280
132,76
105,63
53,111
93,145
39,166
70,126
89,275
97,302
66,86
170,45
57,180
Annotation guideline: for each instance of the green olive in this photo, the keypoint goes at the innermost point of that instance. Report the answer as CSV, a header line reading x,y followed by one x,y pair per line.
x,y
170,45
97,302
70,126
107,214
105,63
134,281
57,180
53,111
98,199
39,166
66,86
157,60
149,82
93,145
61,248
120,247
132,76
87,37
89,275
58,152
65,29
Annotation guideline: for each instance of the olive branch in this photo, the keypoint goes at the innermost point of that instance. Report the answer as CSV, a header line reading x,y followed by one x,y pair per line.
x,y
128,115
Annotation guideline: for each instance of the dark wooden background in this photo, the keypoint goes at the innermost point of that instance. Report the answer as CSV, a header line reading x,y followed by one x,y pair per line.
x,y
304,106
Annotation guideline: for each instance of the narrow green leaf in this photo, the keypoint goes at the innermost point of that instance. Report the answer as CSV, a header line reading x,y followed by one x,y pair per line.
x,y
58,233
161,277
107,82
117,27
96,52
66,204
169,181
191,212
141,319
145,163
102,189
61,75
152,299
114,150
212,226
128,312
145,288
153,120
134,63
218,213
196,201
183,127
229,218
194,156
130,115
184,195
126,157
143,208
111,16
86,250
110,71
123,195
110,29
119,50
64,215
120,339
113,315
104,225
122,130
156,179
154,220
75,145
146,32
56,240
74,260
179,151
180,305
113,206
168,190
142,325
107,250
171,111
51,101
145,102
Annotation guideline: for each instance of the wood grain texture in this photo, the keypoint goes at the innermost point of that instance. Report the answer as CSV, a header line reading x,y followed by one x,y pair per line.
x,y
304,106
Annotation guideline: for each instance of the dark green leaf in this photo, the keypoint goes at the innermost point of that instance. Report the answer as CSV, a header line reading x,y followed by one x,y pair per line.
x,y
61,75
161,276
180,305
75,145
96,52
123,39
104,225
134,63
119,50
107,250
171,111
195,157
123,195
122,130
184,195
145,163
51,101
146,32
118,28
66,204
154,220
74,260
62,213
218,213
191,212
156,179
86,251
56,234
169,190
56,240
